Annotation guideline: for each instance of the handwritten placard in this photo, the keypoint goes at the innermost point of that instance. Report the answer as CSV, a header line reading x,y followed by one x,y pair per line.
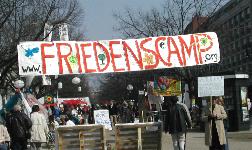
x,y
102,117
211,86
72,57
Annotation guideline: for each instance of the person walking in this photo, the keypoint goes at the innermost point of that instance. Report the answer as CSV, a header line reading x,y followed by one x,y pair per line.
x,y
18,125
177,120
213,116
4,137
39,128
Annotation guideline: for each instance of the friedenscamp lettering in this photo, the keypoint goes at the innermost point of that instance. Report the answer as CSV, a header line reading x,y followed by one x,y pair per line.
x,y
71,57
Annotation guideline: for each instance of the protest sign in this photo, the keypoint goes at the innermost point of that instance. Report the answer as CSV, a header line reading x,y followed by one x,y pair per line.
x,y
76,101
210,86
102,117
164,86
71,57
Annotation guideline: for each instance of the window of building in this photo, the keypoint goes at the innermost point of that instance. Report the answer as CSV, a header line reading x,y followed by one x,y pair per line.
x,y
245,54
234,59
233,46
243,14
249,69
231,22
241,30
240,17
235,20
235,33
236,45
238,69
241,43
244,41
244,68
247,27
248,40
247,11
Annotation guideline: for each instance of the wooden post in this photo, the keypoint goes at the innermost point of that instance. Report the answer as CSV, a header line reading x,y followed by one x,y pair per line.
x,y
139,138
161,137
60,141
103,136
117,137
141,108
82,140
211,104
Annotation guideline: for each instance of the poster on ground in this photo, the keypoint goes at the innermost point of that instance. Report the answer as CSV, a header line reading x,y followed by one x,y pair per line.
x,y
210,86
81,57
102,117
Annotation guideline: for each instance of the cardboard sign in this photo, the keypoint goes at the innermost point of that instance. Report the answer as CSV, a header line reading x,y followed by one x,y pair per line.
x,y
71,57
211,86
102,117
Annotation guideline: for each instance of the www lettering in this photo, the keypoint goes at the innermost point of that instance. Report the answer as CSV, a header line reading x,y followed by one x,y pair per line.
x,y
30,69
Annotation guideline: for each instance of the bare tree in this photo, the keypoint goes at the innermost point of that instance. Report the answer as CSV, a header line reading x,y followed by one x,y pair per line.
x,y
171,20
24,20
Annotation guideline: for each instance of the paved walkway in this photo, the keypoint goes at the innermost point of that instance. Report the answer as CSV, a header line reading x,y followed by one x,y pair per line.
x,y
196,141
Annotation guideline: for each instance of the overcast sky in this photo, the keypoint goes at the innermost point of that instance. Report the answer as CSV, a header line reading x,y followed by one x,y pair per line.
x,y
99,21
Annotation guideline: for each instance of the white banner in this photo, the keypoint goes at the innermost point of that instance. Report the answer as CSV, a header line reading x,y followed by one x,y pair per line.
x,y
71,57
211,86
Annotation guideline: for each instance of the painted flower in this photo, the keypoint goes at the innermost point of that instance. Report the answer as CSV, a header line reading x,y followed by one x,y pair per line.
x,y
148,59
204,41
73,59
49,99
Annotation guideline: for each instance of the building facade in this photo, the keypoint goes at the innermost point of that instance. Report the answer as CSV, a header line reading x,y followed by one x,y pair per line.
x,y
233,25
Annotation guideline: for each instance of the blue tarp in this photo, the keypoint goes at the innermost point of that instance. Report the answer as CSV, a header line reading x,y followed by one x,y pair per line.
x,y
10,104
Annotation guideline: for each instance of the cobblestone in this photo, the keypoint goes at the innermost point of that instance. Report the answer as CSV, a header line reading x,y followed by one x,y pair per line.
x,y
196,141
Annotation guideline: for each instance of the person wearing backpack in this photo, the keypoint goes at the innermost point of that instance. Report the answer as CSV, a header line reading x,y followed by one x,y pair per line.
x,y
176,122
18,125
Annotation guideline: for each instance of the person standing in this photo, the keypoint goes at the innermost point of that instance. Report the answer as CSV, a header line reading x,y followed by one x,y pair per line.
x,y
18,125
4,137
213,116
52,124
176,122
69,122
39,128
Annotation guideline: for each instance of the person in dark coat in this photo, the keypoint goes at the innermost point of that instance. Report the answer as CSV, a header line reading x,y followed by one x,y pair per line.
x,y
176,123
18,125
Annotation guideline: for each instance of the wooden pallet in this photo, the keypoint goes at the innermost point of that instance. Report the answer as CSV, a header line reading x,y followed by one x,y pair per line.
x,y
140,136
81,137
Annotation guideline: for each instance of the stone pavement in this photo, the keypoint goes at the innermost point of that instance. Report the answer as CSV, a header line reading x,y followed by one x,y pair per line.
x,y
196,141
